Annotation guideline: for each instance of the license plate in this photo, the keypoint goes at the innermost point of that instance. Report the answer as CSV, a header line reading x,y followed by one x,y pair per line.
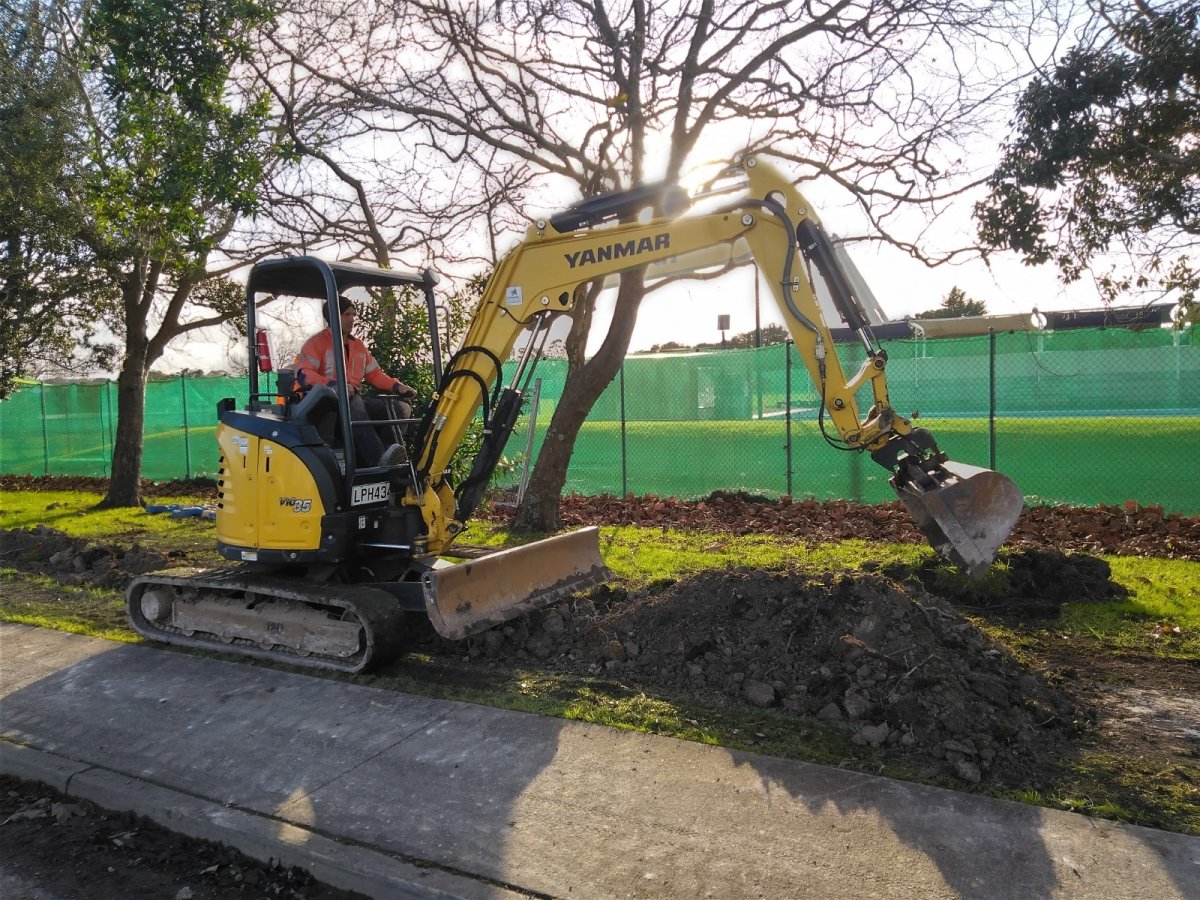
x,y
369,493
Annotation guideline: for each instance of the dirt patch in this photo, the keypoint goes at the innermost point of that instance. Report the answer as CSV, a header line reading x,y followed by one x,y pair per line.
x,y
60,845
1143,706
76,561
1125,530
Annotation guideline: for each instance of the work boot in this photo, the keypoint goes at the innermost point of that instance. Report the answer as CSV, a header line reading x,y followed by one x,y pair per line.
x,y
393,456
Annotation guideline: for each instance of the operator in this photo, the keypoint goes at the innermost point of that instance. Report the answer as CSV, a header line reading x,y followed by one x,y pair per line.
x,y
315,365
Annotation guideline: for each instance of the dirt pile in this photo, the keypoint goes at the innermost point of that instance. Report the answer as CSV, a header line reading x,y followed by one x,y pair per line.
x,y
75,561
901,671
1036,584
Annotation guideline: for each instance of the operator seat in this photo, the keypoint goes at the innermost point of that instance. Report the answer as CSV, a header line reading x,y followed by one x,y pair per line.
x,y
318,407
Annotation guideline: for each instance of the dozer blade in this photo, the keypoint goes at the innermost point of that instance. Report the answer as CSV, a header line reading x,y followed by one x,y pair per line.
x,y
473,596
966,512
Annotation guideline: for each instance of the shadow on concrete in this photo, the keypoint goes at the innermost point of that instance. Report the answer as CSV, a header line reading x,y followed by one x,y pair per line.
x,y
544,805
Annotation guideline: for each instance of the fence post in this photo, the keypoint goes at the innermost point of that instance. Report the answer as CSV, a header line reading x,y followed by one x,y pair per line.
x,y
991,397
112,439
787,410
758,373
187,449
100,398
624,450
45,438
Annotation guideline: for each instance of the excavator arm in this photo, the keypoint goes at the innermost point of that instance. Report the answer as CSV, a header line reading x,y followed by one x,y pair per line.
x,y
966,512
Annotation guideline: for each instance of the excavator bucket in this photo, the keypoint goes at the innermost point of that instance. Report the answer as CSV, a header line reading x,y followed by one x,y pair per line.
x,y
475,595
966,512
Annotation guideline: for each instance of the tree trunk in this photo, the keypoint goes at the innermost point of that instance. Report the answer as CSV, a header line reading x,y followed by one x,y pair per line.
x,y
539,509
137,289
124,485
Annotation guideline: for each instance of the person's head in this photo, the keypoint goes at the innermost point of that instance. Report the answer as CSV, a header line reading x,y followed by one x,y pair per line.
x,y
346,307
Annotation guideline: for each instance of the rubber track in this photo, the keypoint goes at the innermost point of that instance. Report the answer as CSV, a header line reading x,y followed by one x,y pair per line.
x,y
378,612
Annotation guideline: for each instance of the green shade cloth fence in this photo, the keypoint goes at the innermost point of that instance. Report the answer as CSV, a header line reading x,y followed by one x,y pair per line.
x,y
1082,417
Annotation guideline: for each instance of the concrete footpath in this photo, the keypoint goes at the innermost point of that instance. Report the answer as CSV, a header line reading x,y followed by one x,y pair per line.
x,y
401,796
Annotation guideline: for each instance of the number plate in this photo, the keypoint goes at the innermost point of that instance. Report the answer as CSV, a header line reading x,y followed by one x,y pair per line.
x,y
369,493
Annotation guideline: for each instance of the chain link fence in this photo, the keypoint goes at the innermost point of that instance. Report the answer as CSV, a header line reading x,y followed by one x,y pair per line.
x,y
68,429
1082,416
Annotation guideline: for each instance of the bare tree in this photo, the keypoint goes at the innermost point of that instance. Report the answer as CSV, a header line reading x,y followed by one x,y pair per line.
x,y
579,97
358,180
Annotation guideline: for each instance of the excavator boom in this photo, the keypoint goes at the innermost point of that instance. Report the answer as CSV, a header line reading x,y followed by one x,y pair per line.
x,y
965,512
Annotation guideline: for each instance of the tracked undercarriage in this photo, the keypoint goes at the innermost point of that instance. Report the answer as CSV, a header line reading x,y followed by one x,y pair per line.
x,y
341,627
352,627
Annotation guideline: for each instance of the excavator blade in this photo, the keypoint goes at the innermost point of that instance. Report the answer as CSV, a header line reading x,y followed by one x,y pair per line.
x,y
475,595
966,512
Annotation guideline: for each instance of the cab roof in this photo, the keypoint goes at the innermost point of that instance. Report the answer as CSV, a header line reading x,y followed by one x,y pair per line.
x,y
305,276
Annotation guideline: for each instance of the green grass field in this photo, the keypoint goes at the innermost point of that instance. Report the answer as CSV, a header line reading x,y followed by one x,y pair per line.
x,y
1078,461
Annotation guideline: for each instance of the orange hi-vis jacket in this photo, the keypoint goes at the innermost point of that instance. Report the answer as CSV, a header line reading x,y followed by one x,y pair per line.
x,y
316,366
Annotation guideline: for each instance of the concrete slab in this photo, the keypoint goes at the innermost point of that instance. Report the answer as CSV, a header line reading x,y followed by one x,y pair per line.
x,y
497,801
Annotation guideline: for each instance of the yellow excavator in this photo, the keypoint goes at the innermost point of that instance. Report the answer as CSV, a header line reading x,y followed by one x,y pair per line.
x,y
331,556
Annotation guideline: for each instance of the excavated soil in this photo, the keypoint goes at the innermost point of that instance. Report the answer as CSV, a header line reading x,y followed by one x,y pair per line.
x,y
898,670
890,658
77,562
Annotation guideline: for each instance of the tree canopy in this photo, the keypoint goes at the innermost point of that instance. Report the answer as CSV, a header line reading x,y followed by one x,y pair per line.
x,y
955,305
1104,155
176,155
49,284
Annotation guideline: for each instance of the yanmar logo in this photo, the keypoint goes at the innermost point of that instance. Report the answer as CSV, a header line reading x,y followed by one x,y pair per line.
x,y
609,252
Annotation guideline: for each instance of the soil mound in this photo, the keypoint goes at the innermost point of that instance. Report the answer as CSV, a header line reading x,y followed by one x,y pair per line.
x,y
1036,584
76,561
900,670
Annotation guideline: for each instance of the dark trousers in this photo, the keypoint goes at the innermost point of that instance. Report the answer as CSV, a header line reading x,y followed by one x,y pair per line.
x,y
368,447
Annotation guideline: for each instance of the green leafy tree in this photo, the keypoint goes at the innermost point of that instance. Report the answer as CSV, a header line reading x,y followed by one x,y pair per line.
x,y
669,347
1105,157
49,284
176,156
764,337
396,328
955,305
